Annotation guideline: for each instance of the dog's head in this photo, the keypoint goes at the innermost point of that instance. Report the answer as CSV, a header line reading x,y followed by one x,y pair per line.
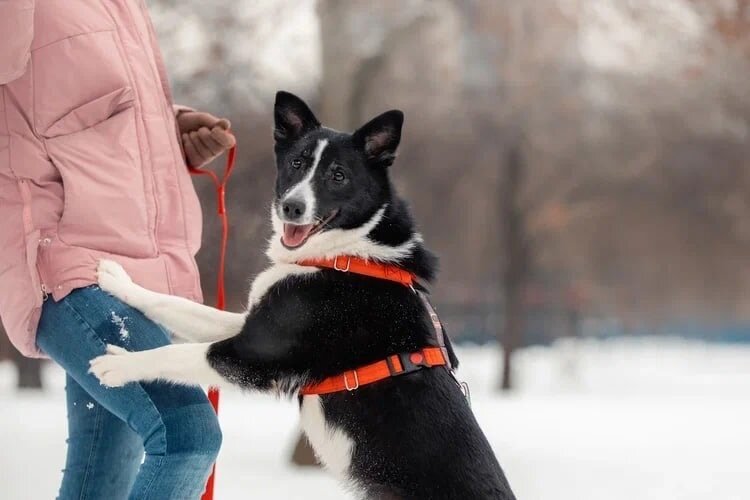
x,y
331,187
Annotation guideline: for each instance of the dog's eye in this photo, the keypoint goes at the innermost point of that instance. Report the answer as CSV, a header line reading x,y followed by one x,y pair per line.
x,y
339,176
296,163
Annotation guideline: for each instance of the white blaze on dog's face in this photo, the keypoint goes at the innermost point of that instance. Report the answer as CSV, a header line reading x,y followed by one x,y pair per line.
x,y
297,206
330,185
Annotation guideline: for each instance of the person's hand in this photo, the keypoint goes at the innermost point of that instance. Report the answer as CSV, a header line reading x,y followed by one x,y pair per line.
x,y
204,137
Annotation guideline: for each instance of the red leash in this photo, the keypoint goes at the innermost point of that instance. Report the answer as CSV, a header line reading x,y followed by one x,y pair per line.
x,y
220,184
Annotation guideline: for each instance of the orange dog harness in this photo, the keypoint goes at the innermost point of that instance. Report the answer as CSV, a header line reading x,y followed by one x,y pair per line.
x,y
396,364
392,366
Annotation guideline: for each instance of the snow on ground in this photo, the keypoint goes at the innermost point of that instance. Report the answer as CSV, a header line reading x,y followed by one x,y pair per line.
x,y
591,420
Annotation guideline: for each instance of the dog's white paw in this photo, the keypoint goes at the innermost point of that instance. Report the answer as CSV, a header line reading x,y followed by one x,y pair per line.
x,y
115,280
117,367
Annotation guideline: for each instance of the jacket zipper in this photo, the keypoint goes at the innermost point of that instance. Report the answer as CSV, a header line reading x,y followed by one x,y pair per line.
x,y
131,77
137,31
28,225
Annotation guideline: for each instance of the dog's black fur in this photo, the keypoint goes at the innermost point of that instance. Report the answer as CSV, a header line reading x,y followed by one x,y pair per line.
x,y
414,436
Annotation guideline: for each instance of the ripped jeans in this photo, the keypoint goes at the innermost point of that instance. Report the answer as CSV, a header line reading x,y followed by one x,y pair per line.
x,y
110,429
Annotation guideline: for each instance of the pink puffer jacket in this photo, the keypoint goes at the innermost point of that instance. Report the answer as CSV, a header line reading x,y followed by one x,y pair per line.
x,y
90,164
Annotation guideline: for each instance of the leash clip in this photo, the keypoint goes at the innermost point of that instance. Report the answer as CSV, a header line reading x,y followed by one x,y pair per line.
x,y
356,381
466,391
336,264
463,387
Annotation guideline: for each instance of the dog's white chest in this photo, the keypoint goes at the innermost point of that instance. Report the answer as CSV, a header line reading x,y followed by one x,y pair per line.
x,y
332,446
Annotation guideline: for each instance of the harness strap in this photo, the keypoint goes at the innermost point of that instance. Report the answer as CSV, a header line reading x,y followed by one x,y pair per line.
x,y
392,366
356,265
437,326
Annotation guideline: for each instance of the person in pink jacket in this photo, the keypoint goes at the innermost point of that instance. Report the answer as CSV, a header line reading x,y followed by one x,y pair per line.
x,y
93,165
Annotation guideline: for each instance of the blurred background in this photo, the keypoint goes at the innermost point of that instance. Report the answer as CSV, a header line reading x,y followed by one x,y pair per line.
x,y
581,167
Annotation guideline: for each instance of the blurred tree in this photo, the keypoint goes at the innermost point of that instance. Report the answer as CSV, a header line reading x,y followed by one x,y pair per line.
x,y
234,54
29,370
595,130
527,66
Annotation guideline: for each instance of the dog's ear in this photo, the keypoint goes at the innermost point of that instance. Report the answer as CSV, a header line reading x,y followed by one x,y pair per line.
x,y
379,138
292,117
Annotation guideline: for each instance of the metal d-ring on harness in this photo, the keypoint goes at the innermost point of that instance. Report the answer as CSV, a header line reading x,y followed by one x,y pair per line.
x,y
440,337
342,269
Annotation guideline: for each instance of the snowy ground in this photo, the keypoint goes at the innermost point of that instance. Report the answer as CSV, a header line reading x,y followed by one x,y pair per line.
x,y
661,420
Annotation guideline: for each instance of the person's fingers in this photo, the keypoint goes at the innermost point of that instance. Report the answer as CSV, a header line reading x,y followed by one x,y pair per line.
x,y
205,153
223,137
190,121
204,136
212,144
223,123
191,154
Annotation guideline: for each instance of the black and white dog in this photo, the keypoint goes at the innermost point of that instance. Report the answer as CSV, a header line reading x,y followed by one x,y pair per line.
x,y
405,437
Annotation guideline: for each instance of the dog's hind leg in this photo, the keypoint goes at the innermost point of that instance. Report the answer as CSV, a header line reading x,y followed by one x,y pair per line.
x,y
178,363
182,317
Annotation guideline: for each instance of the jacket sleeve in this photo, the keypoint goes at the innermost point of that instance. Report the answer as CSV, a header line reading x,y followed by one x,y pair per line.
x,y
16,33
178,108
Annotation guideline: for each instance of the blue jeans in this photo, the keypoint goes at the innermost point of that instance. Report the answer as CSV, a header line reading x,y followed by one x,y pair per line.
x,y
110,428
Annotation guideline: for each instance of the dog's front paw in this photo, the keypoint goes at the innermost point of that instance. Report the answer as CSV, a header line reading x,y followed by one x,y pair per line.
x,y
113,279
116,368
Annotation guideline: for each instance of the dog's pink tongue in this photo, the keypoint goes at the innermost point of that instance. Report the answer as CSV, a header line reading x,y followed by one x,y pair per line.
x,y
294,235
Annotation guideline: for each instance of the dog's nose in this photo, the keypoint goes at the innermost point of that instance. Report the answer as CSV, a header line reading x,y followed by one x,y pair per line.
x,y
293,209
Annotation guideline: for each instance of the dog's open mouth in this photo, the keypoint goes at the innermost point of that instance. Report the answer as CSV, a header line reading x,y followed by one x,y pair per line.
x,y
296,235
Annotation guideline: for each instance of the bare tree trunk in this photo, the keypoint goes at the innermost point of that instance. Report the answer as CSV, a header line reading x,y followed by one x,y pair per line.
x,y
512,336
370,67
29,371
515,274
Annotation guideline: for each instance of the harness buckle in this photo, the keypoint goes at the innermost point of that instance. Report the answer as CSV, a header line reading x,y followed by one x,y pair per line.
x,y
356,381
410,363
336,264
